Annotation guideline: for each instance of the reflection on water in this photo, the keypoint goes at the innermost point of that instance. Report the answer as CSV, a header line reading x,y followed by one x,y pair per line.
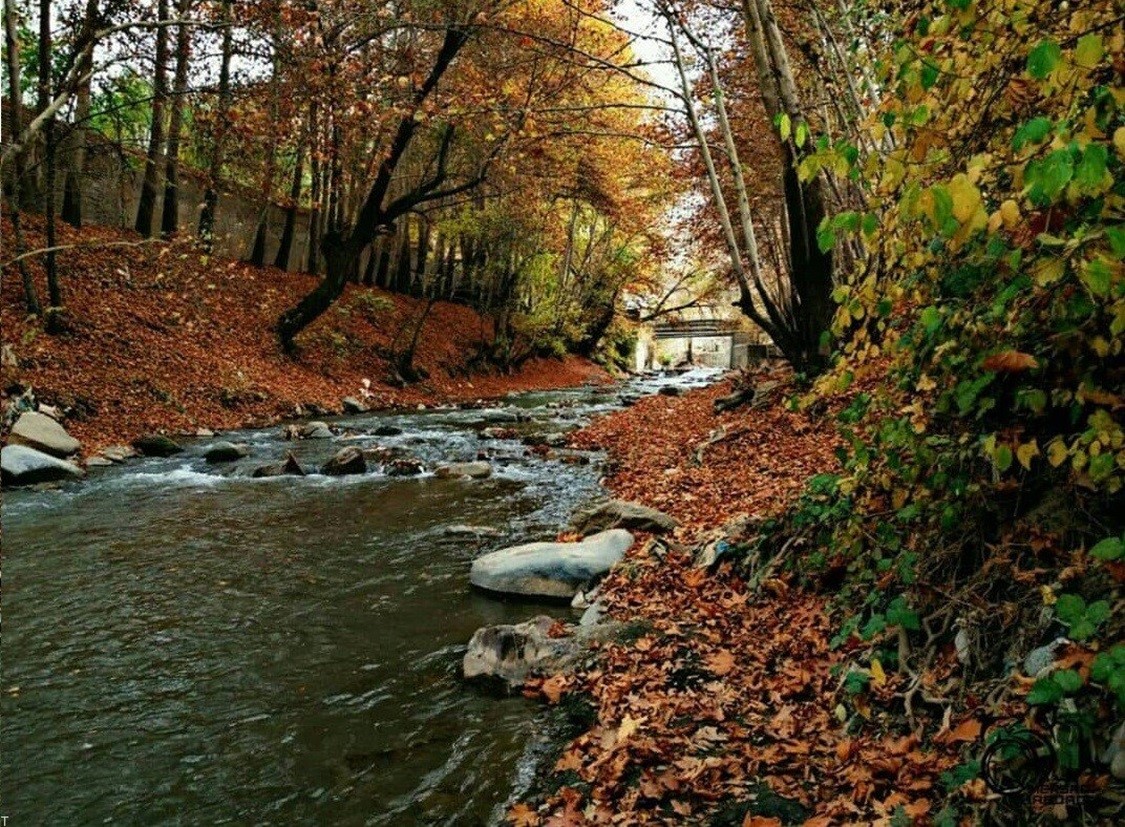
x,y
184,644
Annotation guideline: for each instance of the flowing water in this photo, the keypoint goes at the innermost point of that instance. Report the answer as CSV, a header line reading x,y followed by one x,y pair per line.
x,y
184,644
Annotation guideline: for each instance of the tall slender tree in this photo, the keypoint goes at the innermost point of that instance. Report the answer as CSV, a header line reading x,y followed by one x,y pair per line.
x,y
146,205
170,215
218,131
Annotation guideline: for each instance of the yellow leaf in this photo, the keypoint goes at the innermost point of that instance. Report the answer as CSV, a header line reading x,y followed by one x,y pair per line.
x,y
966,197
1119,140
1048,595
878,676
1057,453
1010,214
1025,452
629,725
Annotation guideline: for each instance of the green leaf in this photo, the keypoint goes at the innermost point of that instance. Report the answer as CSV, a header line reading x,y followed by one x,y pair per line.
x,y
1047,177
1002,458
1091,169
1082,630
930,319
1045,691
1116,236
1097,612
1031,132
899,614
1068,680
1043,59
825,237
929,75
1109,549
1070,608
874,626
1097,276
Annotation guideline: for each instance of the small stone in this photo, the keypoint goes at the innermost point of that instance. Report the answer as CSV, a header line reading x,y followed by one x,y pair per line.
x,y
157,445
346,461
351,405
473,470
387,430
289,468
226,452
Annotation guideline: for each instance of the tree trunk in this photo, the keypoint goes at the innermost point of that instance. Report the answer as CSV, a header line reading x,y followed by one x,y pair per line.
x,y
50,262
170,217
286,245
314,215
72,186
146,205
218,137
19,172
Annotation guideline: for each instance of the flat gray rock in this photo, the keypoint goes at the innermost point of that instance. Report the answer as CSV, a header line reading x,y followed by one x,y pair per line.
x,y
621,514
550,569
475,470
39,431
21,465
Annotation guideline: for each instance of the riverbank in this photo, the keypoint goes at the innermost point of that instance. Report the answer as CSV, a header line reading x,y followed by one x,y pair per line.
x,y
725,706
159,337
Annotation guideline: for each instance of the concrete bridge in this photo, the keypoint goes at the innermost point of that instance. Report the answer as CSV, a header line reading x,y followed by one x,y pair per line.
x,y
717,343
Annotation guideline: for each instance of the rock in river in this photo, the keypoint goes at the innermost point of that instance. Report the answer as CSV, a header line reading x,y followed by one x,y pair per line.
x,y
21,465
475,470
346,461
157,445
510,653
621,514
351,405
39,431
289,468
550,569
226,452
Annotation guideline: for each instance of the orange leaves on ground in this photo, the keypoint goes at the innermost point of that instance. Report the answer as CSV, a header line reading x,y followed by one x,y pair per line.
x,y
522,815
764,460
968,730
1010,361
721,662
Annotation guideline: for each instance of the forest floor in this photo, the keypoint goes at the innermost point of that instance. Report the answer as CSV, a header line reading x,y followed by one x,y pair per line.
x,y
723,705
159,337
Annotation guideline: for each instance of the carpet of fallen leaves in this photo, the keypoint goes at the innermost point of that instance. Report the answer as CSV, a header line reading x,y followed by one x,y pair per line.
x,y
160,337
762,456
723,707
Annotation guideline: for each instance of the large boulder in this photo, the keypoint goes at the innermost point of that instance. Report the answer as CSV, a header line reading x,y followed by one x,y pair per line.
x,y
21,465
37,430
474,470
226,452
157,445
346,461
555,570
621,514
289,468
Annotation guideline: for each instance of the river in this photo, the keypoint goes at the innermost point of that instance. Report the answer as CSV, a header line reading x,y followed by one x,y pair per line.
x,y
184,644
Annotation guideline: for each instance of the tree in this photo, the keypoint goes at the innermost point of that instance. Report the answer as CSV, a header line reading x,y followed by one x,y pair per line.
x,y
170,216
19,171
146,205
378,213
50,163
218,131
